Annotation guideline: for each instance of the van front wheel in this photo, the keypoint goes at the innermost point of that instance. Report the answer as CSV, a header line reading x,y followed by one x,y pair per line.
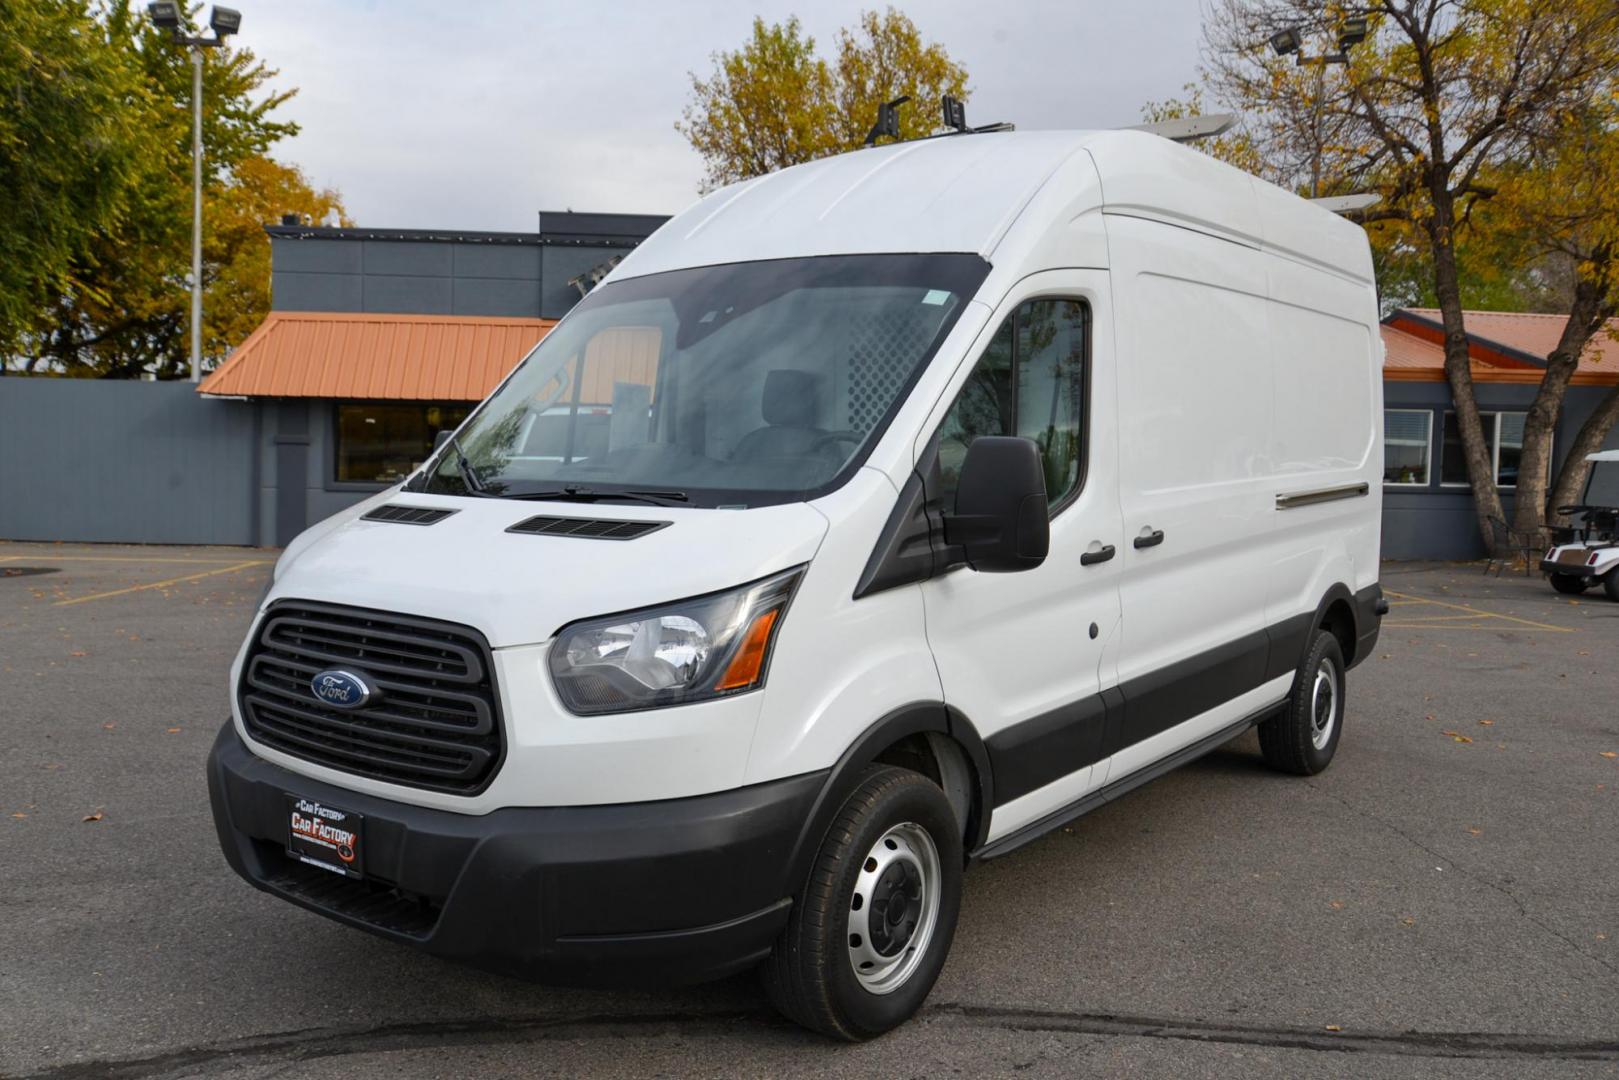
x,y
1302,738
868,935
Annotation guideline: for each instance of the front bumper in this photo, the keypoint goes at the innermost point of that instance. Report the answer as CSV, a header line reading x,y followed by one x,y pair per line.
x,y
665,892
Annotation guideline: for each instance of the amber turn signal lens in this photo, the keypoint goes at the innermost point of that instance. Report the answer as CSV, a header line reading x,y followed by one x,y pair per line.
x,y
750,658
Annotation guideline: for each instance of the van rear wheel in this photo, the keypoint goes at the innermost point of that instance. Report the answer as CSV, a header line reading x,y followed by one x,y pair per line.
x,y
868,934
1302,738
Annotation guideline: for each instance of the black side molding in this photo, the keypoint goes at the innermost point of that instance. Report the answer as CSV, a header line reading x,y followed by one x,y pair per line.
x,y
1122,786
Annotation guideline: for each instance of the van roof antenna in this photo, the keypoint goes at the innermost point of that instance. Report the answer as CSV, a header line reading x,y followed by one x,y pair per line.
x,y
887,120
1189,128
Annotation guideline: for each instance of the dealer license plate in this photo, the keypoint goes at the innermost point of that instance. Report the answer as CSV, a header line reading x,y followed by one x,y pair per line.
x,y
325,836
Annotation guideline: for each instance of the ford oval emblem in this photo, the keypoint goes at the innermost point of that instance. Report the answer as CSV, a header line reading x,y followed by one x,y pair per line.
x,y
341,689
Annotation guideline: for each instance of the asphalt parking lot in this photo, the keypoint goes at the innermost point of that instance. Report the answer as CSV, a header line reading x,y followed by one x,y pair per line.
x,y
1443,901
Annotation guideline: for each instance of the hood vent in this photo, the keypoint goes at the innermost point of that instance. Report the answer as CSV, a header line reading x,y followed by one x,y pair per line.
x,y
407,515
587,528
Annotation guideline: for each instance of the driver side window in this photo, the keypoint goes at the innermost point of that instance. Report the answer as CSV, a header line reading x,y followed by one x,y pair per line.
x,y
1030,381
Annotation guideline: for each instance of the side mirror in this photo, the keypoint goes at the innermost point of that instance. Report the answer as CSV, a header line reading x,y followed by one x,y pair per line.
x,y
1000,522
441,438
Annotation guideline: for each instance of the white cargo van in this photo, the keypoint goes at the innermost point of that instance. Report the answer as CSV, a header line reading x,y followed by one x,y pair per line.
x,y
947,491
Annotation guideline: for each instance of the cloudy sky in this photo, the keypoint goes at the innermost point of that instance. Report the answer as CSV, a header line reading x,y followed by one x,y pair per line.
x,y
477,114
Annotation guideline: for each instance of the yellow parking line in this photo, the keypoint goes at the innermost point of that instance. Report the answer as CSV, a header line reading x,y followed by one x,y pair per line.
x,y
44,556
1477,613
1441,619
1492,629
159,584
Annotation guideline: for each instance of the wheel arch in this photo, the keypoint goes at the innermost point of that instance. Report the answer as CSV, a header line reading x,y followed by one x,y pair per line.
x,y
913,736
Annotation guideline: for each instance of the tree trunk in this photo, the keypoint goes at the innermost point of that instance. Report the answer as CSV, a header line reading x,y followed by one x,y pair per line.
x,y
1539,426
1570,485
1459,371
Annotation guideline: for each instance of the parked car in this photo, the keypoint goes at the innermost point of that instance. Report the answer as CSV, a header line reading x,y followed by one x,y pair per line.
x,y
980,480
1591,555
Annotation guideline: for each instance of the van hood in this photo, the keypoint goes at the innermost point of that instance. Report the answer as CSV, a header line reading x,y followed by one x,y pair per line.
x,y
520,589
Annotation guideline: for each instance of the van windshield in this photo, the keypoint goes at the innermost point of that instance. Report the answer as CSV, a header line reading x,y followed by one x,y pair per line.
x,y
735,385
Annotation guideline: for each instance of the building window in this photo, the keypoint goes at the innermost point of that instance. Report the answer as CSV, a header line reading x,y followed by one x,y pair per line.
x,y
1503,434
1407,436
382,444
1030,381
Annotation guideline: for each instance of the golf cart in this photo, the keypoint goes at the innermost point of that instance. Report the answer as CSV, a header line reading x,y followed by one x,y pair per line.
x,y
1588,553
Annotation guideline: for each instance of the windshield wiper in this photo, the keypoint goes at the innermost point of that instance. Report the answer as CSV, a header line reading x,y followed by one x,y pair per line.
x,y
580,493
468,476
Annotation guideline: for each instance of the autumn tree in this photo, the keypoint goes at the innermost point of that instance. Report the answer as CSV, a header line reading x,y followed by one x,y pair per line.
x,y
1440,95
119,307
70,146
1567,202
775,102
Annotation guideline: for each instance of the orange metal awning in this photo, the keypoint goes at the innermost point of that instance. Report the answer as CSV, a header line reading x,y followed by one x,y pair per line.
x,y
362,357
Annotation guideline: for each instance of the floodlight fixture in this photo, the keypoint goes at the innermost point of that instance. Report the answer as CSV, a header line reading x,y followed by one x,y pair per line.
x,y
1354,32
1286,41
226,21
165,14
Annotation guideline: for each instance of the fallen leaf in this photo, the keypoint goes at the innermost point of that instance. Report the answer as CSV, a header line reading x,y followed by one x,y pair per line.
x,y
1409,921
19,814
1476,831
1608,754
173,730
78,652
1486,723
94,815
1334,1027
110,724
1458,736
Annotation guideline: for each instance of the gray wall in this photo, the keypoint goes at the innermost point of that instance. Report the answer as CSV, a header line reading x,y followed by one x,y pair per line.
x,y
141,462
1438,522
423,272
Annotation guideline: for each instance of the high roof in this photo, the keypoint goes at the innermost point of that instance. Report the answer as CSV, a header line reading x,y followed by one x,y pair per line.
x,y
375,357
964,193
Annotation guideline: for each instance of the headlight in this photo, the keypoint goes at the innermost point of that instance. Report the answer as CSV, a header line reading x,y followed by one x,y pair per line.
x,y
688,651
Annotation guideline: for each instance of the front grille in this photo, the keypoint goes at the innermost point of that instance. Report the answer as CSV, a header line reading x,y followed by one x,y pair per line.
x,y
587,528
434,724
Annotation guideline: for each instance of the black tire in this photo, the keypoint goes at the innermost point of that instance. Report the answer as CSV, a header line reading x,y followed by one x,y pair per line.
x,y
810,975
1569,584
1610,584
1289,739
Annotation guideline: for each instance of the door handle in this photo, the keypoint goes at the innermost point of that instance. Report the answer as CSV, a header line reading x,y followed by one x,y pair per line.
x,y
1152,539
1102,554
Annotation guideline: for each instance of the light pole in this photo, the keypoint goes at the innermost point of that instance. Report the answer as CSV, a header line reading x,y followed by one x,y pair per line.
x,y
224,21
1291,40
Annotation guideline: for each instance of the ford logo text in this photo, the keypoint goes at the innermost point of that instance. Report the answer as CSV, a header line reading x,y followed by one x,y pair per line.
x,y
342,689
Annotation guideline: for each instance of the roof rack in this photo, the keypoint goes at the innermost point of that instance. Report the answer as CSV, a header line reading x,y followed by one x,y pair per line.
x,y
953,111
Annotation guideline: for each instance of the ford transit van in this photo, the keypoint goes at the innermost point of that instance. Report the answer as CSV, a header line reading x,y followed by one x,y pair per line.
x,y
893,510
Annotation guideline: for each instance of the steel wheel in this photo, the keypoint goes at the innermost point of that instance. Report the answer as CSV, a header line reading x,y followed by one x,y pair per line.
x,y
894,908
1323,704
